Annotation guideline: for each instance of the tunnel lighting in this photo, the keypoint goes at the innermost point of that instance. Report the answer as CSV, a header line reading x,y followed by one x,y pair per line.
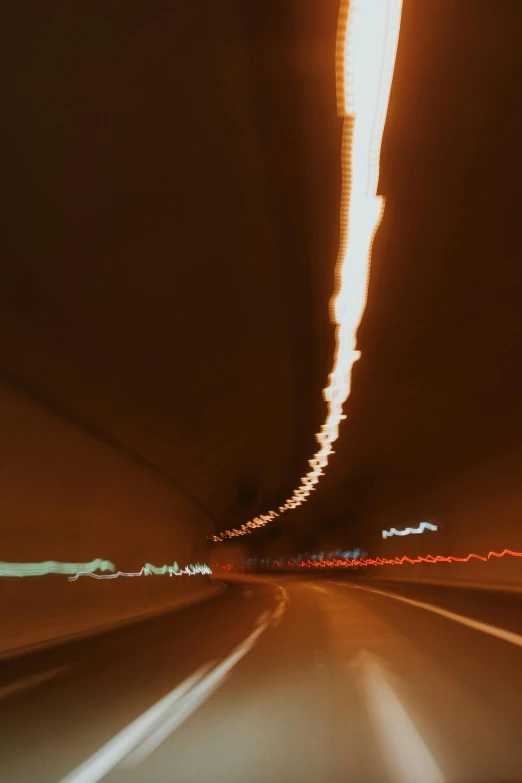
x,y
141,572
175,570
367,41
364,562
148,569
89,569
409,530
53,567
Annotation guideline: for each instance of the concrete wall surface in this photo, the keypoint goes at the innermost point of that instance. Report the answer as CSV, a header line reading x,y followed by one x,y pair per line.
x,y
66,496
479,513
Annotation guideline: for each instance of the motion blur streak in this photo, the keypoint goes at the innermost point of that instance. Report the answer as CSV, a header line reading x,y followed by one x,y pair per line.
x,y
195,698
380,561
95,768
151,728
174,570
409,530
409,760
54,567
491,630
366,47
107,576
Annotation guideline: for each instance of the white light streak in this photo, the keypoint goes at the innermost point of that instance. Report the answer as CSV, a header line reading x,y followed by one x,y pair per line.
x,y
408,531
105,576
366,48
148,569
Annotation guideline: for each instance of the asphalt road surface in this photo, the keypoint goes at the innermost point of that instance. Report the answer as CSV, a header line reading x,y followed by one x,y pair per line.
x,y
278,680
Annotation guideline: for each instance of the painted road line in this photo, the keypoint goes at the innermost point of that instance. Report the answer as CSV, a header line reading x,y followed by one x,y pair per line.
x,y
492,630
150,723
405,753
263,617
190,703
284,595
32,681
111,754
280,609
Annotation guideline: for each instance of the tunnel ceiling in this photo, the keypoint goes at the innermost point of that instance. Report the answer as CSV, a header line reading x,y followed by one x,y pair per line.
x,y
160,280
170,192
437,390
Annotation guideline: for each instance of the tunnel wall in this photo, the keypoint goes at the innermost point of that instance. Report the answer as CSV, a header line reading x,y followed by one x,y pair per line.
x,y
66,496
479,513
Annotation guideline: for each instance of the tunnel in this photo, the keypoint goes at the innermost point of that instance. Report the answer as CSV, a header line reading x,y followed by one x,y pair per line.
x,y
260,382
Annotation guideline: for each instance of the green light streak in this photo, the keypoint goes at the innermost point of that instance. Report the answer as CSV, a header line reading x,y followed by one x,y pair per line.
x,y
150,569
174,570
53,567
20,570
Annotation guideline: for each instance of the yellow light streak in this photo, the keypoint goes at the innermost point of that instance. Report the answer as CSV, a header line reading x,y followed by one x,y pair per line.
x,y
367,40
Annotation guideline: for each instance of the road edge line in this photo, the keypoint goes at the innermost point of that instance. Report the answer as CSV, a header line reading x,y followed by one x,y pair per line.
x,y
477,625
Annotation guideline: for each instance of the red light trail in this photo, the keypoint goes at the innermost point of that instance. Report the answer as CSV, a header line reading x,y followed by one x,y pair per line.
x,y
363,562
381,561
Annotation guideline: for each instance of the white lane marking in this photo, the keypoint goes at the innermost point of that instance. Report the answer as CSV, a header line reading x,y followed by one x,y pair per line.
x,y
248,593
190,703
32,681
407,757
280,609
319,589
124,743
263,617
284,594
492,630
111,754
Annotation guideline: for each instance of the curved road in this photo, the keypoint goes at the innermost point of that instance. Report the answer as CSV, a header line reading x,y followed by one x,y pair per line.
x,y
279,680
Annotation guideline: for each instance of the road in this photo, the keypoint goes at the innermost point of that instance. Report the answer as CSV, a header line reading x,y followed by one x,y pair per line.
x,y
278,680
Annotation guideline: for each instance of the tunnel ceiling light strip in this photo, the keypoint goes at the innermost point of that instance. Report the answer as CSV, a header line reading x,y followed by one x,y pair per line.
x,y
409,530
366,48
53,567
148,569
